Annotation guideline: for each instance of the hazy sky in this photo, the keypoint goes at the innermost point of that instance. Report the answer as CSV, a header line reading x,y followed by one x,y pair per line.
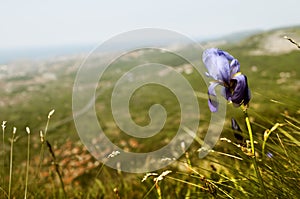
x,y
59,22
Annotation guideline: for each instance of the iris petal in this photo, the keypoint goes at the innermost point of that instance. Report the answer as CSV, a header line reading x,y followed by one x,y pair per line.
x,y
226,93
217,64
241,93
212,97
226,54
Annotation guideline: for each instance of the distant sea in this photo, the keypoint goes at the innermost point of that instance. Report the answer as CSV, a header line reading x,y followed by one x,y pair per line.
x,y
37,53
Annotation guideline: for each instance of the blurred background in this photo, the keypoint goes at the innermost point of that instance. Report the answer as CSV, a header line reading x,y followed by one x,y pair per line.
x,y
43,43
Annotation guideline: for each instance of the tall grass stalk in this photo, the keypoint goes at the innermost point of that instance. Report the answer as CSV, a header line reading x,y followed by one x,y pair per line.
x,y
253,157
148,192
116,191
4,192
292,41
111,155
28,161
10,162
156,182
48,120
158,190
288,135
3,150
266,136
43,139
56,167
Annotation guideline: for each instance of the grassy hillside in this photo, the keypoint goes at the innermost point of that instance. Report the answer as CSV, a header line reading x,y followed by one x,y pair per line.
x,y
271,64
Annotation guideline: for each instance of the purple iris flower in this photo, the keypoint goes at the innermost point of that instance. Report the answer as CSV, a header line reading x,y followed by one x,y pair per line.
x,y
225,70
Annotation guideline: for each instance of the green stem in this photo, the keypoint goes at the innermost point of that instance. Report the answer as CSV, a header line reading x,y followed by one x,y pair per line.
x,y
56,168
250,133
43,144
263,149
27,162
99,171
10,162
258,175
3,161
41,159
158,190
43,139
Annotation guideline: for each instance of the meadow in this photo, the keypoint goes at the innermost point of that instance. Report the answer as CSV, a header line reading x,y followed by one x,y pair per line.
x,y
43,156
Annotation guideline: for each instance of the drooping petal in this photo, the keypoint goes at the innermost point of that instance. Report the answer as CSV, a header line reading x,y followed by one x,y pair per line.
x,y
212,97
234,67
217,64
241,92
228,56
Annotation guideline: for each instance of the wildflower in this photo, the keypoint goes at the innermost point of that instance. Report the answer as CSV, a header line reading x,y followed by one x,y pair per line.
x,y
225,70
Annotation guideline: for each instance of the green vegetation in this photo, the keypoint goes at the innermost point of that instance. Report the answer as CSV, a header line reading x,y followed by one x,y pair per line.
x,y
59,166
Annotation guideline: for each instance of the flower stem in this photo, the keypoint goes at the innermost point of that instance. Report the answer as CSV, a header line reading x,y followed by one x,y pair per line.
x,y
258,175
250,133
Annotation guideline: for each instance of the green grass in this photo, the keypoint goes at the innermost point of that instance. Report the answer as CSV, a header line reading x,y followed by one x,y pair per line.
x,y
227,172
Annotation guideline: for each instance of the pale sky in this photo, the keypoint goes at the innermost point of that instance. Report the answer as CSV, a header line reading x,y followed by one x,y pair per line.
x,y
34,23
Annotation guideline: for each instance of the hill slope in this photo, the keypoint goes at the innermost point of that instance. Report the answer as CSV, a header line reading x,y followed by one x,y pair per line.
x,y
271,42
